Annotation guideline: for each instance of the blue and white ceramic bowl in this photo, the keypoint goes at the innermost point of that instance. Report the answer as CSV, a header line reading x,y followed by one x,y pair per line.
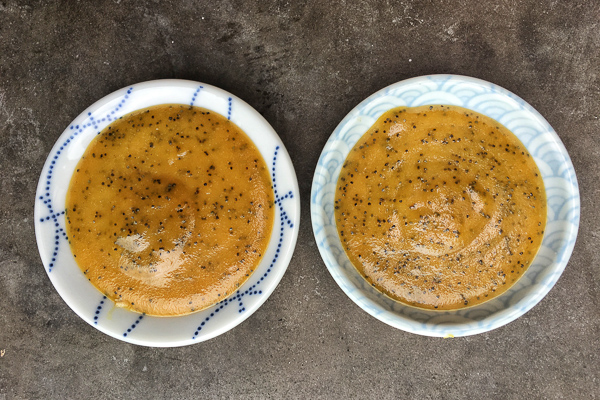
x,y
541,141
83,297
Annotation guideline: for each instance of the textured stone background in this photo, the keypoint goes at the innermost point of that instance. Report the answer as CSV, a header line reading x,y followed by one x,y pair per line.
x,y
303,65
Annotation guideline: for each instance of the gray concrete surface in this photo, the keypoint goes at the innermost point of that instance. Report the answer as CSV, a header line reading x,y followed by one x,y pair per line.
x,y
303,65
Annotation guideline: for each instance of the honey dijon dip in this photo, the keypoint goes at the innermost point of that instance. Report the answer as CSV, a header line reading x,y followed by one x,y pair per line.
x,y
440,207
169,210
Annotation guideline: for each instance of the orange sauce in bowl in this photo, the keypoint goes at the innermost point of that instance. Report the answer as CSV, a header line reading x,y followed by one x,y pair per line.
x,y
440,207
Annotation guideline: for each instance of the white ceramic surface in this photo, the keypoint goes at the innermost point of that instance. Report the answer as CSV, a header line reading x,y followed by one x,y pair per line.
x,y
83,297
541,141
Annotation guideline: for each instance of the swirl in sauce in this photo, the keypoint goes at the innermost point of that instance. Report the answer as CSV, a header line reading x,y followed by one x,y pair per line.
x,y
170,210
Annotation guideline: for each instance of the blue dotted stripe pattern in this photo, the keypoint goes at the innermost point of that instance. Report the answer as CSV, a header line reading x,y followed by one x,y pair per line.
x,y
54,216
196,94
98,310
134,325
253,290
541,141
230,103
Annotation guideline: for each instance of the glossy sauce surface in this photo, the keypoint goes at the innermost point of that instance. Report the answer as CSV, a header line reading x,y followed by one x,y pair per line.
x,y
170,210
440,207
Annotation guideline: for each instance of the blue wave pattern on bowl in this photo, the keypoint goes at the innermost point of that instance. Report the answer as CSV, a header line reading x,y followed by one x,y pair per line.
x,y
541,141
57,217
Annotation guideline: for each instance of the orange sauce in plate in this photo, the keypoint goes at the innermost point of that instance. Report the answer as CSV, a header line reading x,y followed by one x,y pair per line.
x,y
170,210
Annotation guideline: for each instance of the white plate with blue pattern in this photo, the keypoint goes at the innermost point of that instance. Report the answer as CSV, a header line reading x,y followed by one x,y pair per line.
x,y
541,141
87,301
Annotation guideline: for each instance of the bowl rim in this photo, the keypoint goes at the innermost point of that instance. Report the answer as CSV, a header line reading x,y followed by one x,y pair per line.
x,y
398,315
251,294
